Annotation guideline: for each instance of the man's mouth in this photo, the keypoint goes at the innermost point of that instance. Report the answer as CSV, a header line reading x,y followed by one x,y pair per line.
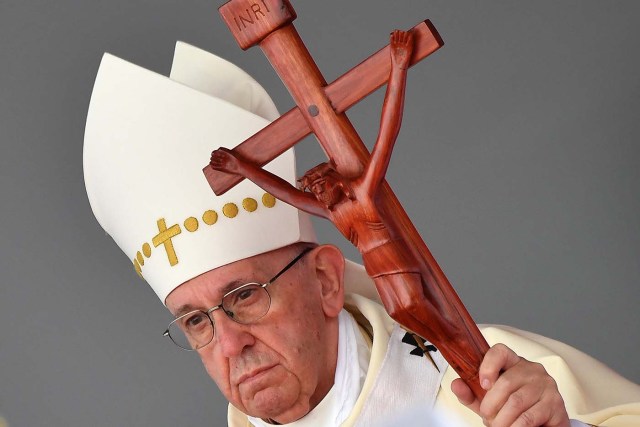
x,y
254,374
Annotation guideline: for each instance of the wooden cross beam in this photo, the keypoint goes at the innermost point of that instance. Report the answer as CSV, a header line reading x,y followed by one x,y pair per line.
x,y
321,110
320,105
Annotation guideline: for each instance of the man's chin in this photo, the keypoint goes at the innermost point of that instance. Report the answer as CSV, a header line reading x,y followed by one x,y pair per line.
x,y
272,403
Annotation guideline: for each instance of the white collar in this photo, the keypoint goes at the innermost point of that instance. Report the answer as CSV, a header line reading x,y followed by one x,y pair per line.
x,y
351,371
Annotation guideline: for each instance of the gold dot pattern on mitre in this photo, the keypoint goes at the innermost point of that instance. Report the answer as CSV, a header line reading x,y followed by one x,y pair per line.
x,y
146,250
268,200
230,210
191,224
249,204
136,266
210,217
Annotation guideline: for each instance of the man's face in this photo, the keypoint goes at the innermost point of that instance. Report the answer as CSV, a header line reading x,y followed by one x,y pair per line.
x,y
281,366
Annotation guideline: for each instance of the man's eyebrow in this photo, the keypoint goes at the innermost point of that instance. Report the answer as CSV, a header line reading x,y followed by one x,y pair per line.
x,y
183,309
186,308
233,285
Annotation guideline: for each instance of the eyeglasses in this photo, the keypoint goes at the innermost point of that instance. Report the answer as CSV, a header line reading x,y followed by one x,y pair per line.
x,y
245,304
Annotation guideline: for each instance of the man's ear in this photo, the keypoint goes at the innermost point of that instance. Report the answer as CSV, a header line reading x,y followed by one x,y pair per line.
x,y
329,268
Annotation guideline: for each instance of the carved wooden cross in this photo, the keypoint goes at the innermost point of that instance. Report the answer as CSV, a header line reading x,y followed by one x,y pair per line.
x,y
321,110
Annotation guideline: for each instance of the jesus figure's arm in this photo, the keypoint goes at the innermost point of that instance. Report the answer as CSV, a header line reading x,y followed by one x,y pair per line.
x,y
224,160
401,47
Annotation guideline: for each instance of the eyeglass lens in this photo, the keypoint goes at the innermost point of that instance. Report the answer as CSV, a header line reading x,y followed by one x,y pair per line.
x,y
245,304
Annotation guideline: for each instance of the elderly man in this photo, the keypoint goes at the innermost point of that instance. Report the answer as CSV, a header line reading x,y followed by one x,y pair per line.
x,y
290,332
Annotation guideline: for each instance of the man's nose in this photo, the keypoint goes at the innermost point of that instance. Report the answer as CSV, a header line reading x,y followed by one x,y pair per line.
x,y
231,337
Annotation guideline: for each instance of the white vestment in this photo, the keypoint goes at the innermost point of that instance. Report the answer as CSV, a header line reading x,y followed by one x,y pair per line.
x,y
592,392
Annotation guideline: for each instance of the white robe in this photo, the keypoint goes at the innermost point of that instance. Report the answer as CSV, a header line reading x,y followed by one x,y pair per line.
x,y
592,392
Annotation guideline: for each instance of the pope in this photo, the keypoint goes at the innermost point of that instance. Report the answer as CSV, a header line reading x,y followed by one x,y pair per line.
x,y
290,331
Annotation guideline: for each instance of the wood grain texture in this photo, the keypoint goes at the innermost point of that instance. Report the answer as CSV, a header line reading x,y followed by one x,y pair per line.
x,y
352,192
343,93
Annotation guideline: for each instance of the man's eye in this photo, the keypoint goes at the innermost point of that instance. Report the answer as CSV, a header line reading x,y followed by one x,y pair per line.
x,y
242,297
194,321
246,294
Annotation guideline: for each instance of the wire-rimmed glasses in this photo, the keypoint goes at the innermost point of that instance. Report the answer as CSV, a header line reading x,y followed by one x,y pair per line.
x,y
245,304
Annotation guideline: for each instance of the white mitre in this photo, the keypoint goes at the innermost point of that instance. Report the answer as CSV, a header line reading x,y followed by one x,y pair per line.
x,y
147,139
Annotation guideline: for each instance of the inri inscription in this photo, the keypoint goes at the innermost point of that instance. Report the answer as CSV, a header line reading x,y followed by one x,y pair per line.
x,y
250,21
251,15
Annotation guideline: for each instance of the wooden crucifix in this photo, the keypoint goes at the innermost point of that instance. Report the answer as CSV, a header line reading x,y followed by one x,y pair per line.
x,y
350,189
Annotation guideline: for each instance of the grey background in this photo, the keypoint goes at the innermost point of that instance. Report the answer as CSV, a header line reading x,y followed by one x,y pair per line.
x,y
517,161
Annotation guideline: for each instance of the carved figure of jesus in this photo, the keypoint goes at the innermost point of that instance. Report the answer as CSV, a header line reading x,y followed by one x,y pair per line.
x,y
349,202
